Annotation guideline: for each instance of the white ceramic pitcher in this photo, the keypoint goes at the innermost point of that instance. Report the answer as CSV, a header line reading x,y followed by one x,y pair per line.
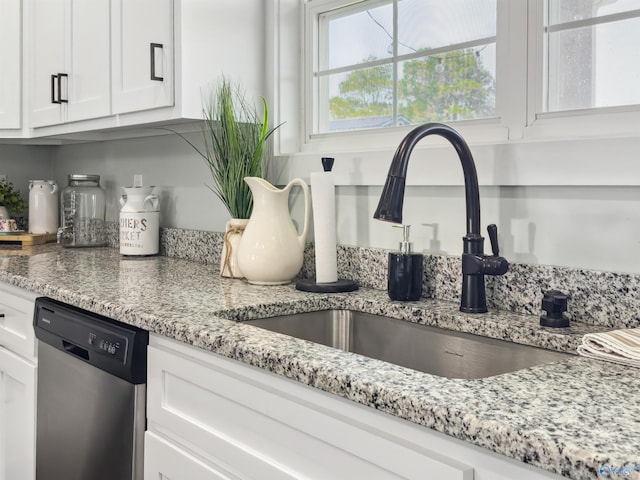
x,y
271,251
43,206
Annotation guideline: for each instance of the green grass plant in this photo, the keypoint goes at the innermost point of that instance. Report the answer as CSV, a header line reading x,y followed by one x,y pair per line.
x,y
235,138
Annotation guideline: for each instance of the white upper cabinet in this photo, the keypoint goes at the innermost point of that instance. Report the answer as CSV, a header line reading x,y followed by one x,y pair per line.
x,y
201,40
101,69
143,55
68,50
10,57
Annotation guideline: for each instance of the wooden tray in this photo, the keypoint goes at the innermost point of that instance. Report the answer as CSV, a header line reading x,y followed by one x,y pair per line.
x,y
28,238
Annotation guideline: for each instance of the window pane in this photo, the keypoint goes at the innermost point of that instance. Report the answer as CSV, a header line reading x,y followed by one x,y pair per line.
x,y
355,37
592,67
359,99
562,11
456,85
371,76
426,24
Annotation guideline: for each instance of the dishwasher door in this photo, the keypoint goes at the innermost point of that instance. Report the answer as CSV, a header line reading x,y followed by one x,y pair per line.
x,y
90,421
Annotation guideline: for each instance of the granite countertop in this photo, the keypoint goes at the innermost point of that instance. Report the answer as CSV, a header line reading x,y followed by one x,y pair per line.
x,y
570,417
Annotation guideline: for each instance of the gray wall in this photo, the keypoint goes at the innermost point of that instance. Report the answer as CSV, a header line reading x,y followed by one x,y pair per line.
x,y
594,227
23,163
167,162
587,227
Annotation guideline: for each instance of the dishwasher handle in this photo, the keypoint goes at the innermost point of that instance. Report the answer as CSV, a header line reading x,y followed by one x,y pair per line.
x,y
75,350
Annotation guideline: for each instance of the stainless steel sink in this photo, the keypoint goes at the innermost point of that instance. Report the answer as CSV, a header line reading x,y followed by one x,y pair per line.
x,y
426,349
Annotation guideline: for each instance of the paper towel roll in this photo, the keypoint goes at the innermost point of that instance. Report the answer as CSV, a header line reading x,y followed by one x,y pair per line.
x,y
324,226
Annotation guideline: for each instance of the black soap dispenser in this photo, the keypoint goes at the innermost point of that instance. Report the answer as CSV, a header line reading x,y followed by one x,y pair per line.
x,y
405,271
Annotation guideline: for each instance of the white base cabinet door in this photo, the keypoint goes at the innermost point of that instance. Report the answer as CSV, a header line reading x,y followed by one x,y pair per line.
x,y
18,369
16,321
244,422
164,460
17,417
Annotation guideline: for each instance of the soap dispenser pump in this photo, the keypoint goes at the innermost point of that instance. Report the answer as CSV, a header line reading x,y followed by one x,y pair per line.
x,y
405,270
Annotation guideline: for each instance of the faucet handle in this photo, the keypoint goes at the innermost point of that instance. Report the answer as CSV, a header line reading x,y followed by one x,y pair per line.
x,y
492,230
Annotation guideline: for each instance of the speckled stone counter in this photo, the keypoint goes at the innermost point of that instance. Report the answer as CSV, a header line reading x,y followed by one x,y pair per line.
x,y
570,418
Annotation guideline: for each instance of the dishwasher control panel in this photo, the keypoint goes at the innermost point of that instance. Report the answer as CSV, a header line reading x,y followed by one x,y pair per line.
x,y
103,342
107,343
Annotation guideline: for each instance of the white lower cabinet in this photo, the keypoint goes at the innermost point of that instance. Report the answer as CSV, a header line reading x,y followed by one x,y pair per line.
x,y
17,417
18,370
211,417
163,459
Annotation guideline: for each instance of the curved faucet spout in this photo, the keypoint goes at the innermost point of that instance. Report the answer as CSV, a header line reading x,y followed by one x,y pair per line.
x,y
475,264
391,202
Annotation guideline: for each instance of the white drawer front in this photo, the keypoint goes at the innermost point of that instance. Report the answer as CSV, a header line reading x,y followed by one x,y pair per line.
x,y
165,461
16,326
251,425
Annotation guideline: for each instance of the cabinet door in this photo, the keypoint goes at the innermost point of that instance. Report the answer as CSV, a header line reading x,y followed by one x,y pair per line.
x,y
88,63
69,51
17,417
16,320
10,56
143,75
165,460
45,45
250,425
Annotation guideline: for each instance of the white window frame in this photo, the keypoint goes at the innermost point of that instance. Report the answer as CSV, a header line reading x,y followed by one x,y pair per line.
x,y
592,123
520,147
492,129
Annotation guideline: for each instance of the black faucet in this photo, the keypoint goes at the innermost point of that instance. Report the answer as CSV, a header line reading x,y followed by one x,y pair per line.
x,y
475,264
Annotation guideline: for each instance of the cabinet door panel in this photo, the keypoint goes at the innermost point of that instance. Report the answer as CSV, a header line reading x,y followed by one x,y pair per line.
x,y
164,460
46,47
16,330
266,434
139,24
89,62
10,56
17,417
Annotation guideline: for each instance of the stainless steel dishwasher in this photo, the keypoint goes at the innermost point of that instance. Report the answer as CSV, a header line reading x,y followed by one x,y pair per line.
x,y
91,395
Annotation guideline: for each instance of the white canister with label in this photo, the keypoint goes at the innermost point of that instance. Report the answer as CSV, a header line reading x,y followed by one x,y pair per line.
x,y
139,220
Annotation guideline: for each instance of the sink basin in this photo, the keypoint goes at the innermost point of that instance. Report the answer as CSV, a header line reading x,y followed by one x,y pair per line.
x,y
419,347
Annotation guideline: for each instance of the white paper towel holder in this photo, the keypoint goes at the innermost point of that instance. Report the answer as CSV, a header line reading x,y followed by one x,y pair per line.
x,y
328,212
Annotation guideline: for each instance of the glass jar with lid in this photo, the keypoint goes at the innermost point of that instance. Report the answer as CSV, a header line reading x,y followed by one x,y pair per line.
x,y
82,211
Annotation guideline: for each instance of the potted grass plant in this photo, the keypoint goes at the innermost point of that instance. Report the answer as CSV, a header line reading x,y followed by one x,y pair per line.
x,y
235,146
